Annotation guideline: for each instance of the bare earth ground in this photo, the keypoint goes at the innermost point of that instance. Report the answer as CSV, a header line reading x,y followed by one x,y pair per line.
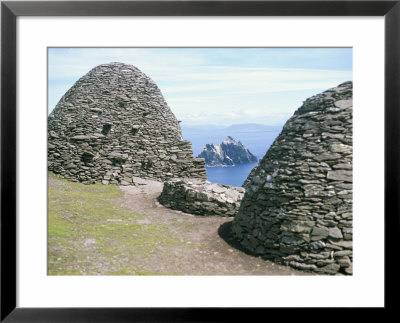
x,y
132,234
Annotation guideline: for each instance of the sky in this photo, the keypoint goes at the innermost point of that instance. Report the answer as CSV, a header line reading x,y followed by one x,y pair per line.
x,y
220,86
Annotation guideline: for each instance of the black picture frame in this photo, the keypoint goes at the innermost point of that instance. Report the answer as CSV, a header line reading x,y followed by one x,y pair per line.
x,y
10,10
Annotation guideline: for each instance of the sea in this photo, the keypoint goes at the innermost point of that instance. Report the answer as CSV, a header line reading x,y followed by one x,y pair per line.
x,y
256,137
229,175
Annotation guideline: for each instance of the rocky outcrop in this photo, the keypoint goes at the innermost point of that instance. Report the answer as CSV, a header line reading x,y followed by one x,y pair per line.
x,y
114,124
228,153
297,208
201,197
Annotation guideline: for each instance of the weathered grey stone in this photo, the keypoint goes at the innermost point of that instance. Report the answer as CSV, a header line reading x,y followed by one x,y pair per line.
x,y
335,233
115,117
201,197
317,245
297,226
343,261
288,249
327,156
330,246
321,255
341,148
349,270
304,210
343,243
332,135
79,137
343,166
330,269
317,231
344,103
340,175
292,258
302,266
343,253
292,240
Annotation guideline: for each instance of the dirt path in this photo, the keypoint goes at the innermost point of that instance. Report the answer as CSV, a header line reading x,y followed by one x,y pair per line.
x,y
204,247
106,230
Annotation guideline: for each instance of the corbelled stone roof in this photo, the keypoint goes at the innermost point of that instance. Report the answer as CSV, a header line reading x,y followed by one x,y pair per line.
x,y
114,124
297,208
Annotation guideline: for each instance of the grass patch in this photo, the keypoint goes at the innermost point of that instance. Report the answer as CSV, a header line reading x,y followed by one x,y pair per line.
x,y
126,272
90,232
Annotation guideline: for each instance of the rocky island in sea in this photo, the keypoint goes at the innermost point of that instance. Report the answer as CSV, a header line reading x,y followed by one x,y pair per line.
x,y
228,153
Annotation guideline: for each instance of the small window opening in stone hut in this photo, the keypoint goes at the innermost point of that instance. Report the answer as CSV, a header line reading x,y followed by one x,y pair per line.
x,y
87,157
106,129
134,129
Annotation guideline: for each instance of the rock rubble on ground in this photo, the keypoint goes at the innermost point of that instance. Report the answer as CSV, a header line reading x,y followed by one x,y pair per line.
x,y
201,197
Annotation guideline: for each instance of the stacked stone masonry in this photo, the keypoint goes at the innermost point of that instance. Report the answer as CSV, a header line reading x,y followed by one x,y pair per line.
x,y
297,208
196,196
113,125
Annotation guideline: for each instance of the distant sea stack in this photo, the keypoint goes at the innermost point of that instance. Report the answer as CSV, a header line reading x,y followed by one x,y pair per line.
x,y
228,153
114,124
297,208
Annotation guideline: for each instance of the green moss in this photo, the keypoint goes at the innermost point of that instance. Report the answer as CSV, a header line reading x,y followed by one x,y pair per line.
x,y
65,272
89,230
126,271
148,273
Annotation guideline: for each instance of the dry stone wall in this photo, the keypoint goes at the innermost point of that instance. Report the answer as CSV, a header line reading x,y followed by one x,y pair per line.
x,y
297,208
201,197
113,125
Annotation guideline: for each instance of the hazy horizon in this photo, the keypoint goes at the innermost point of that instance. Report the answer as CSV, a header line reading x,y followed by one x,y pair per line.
x,y
222,86
201,125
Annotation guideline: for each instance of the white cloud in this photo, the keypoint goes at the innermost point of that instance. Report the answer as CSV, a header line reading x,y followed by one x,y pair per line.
x,y
249,81
197,89
233,117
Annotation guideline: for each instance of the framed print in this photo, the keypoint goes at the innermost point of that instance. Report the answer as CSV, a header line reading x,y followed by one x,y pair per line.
x,y
196,157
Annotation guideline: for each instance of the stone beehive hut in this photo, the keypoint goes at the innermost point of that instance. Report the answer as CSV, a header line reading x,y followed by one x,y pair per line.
x,y
297,208
113,125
